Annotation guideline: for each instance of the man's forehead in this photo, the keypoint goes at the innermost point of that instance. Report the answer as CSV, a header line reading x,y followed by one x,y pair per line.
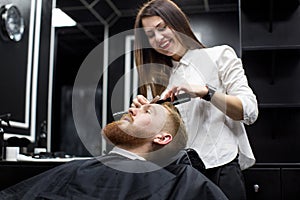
x,y
159,109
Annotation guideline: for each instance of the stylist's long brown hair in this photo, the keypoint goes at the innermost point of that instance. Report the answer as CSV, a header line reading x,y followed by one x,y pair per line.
x,y
153,67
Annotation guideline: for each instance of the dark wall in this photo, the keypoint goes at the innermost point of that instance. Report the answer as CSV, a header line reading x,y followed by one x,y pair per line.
x,y
14,69
270,43
16,59
270,52
218,28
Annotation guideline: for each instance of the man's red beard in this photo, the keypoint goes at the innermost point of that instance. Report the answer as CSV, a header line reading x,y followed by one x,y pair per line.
x,y
118,137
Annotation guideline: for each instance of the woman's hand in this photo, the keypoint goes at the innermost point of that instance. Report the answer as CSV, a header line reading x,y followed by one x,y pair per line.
x,y
193,90
139,101
230,105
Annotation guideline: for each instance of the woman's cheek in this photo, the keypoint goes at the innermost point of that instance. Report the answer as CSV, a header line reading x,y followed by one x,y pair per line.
x,y
152,43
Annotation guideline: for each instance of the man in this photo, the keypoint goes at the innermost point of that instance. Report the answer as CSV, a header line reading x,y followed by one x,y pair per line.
x,y
153,132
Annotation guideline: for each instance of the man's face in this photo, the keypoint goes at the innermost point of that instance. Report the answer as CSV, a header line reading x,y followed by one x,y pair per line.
x,y
138,126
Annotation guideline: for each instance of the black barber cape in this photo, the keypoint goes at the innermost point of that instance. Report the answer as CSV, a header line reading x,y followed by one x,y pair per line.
x,y
91,179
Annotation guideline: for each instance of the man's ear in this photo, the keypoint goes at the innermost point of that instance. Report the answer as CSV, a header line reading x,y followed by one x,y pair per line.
x,y
163,138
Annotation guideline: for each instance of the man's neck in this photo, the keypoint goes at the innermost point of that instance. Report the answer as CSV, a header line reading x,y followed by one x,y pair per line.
x,y
140,151
129,153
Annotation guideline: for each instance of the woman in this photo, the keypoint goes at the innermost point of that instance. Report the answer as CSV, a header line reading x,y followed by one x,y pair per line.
x,y
170,60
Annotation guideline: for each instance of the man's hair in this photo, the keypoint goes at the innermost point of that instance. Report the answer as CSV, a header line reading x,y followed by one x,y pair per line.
x,y
174,125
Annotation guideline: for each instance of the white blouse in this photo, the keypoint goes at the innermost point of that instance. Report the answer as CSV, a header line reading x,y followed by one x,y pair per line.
x,y
216,137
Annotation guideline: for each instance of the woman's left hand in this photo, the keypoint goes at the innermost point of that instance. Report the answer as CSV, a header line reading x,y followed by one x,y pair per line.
x,y
193,90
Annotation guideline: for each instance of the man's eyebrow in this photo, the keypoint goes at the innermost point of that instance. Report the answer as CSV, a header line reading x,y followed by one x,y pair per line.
x,y
152,108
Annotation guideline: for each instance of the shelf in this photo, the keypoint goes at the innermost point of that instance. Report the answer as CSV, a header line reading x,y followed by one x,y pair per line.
x,y
271,47
268,25
279,105
269,10
279,165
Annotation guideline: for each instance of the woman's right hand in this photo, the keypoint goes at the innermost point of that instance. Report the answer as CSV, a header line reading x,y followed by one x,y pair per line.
x,y
139,101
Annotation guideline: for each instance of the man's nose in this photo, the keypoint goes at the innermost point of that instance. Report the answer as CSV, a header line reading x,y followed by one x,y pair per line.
x,y
133,111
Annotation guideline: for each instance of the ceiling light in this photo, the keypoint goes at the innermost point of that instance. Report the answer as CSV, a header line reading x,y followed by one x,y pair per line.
x,y
61,19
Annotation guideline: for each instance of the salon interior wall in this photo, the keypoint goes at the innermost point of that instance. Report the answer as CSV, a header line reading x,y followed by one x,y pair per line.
x,y
270,43
65,136
218,29
24,71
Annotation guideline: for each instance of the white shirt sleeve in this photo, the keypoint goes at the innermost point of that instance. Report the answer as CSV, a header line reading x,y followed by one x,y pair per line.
x,y
232,75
